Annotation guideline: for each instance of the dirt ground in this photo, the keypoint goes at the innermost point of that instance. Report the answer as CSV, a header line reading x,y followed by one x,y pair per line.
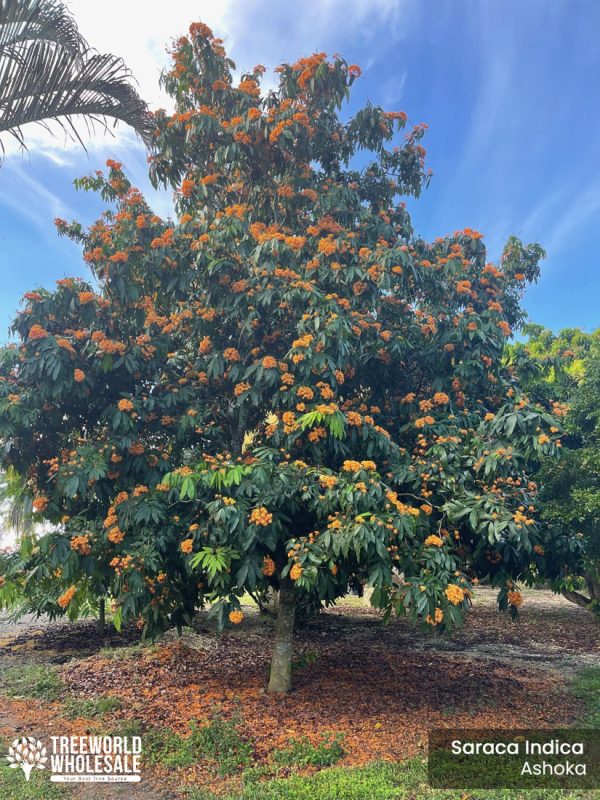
x,y
382,687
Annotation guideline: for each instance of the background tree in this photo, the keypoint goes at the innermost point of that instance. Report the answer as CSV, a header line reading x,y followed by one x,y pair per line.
x,y
285,388
566,367
49,73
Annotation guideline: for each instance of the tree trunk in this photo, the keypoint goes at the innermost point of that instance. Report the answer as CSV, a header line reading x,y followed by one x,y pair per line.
x,y
102,617
281,664
577,598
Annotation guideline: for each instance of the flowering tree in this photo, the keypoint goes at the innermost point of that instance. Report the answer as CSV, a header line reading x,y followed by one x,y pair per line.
x,y
566,368
283,389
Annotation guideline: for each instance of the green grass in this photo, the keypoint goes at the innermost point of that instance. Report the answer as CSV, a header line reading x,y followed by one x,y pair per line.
x,y
301,753
98,707
403,781
32,681
220,742
586,687
13,785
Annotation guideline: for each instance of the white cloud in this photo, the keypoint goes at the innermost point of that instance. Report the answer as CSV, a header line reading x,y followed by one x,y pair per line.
x,y
139,32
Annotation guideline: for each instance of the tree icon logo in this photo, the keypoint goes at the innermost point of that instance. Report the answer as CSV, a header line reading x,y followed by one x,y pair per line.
x,y
28,753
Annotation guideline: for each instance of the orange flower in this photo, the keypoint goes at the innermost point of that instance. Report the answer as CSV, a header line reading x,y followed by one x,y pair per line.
x,y
236,617
187,546
269,362
79,375
125,405
205,345
296,572
65,598
231,354
268,568
433,541
65,344
86,297
261,516
327,246
420,423
40,504
115,535
81,545
187,187
515,598
37,332
454,594
436,619
240,388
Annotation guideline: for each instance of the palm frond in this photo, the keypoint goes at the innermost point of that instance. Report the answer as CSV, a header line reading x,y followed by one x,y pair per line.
x,y
47,20
56,76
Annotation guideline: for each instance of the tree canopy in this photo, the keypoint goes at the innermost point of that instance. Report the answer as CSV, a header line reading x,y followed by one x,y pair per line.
x,y
283,388
566,366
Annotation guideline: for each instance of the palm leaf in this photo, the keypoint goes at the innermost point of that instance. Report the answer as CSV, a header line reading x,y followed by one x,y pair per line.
x,y
48,20
48,72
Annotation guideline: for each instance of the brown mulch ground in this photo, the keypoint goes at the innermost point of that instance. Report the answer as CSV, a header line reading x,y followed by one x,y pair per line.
x,y
383,688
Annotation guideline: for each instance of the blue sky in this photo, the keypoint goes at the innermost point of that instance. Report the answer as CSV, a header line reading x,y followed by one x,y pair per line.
x,y
509,89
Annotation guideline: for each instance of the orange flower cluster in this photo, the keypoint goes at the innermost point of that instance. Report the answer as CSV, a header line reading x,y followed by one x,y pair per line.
x,y
515,598
422,421
240,388
40,504
328,481
261,516
65,599
231,354
112,347
81,545
454,594
115,535
268,567
437,617
86,297
37,332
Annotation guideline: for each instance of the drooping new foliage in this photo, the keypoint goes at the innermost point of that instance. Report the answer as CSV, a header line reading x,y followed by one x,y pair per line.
x,y
285,387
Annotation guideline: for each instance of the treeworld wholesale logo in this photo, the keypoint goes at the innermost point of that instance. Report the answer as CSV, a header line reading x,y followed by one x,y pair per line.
x,y
80,759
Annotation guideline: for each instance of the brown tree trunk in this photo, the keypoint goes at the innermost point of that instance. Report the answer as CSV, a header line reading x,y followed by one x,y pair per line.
x,y
280,680
577,598
102,617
